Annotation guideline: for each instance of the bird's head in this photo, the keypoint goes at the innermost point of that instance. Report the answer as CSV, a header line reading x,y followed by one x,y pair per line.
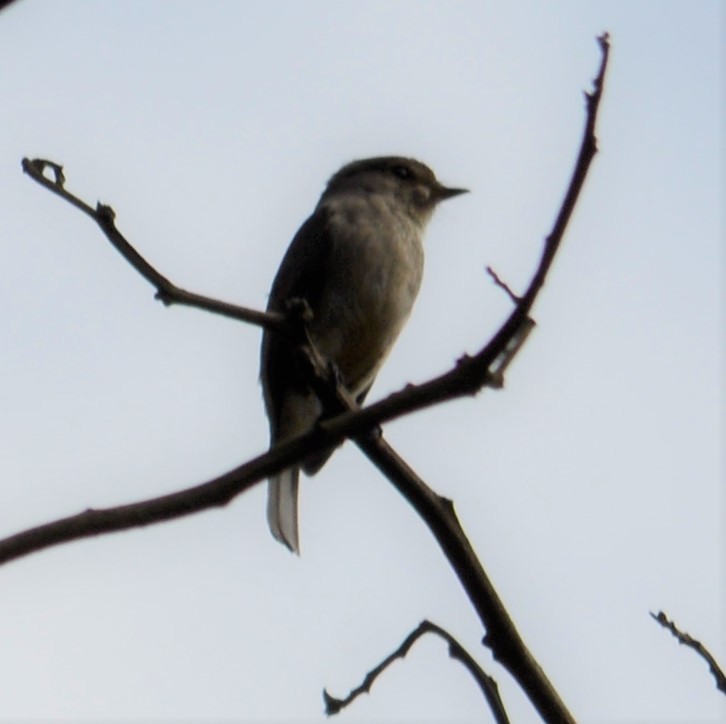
x,y
410,183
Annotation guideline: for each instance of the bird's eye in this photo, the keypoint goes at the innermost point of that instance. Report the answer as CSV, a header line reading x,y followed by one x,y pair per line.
x,y
403,172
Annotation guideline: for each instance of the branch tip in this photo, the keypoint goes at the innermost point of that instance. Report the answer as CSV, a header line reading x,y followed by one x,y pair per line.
x,y
36,168
688,641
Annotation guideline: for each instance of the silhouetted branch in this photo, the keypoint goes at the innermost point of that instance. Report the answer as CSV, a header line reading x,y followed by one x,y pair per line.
x,y
503,285
486,683
167,292
6,3
469,376
502,636
697,646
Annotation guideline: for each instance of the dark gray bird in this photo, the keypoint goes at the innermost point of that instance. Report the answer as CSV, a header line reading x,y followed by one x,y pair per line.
x,y
358,262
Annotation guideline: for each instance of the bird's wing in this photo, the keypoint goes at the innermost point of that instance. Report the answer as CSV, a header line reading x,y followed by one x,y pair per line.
x,y
304,267
302,273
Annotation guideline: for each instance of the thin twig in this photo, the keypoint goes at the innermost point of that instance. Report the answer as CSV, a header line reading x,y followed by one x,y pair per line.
x,y
166,292
486,683
470,374
502,636
697,646
503,285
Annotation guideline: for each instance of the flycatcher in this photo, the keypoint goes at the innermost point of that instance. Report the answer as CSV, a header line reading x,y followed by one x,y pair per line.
x,y
358,262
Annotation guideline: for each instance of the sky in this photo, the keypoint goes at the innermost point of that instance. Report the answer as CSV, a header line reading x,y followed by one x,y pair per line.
x,y
591,486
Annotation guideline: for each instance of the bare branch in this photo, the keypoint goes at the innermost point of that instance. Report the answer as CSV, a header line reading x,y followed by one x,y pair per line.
x,y
5,3
502,636
486,683
697,646
216,492
166,292
468,376
503,285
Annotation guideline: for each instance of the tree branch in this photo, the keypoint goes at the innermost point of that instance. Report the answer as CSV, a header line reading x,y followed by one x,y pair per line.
x,y
697,646
166,292
470,374
503,285
486,683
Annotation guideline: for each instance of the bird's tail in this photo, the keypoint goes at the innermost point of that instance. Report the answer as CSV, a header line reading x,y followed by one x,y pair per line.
x,y
282,508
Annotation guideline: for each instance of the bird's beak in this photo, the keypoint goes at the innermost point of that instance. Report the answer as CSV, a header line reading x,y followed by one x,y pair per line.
x,y
443,193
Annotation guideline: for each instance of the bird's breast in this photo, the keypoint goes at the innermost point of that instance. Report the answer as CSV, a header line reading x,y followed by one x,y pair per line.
x,y
375,272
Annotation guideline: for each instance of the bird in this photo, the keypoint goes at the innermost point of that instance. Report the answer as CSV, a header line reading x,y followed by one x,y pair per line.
x,y
358,263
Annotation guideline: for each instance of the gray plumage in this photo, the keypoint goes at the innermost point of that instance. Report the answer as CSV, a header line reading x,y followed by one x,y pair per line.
x,y
358,262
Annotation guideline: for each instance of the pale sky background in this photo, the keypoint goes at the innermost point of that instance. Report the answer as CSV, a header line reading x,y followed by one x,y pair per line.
x,y
591,487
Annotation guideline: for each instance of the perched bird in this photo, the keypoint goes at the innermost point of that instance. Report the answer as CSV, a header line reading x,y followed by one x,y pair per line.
x,y
358,262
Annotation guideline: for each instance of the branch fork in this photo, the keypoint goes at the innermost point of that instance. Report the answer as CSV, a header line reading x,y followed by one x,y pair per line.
x,y
345,420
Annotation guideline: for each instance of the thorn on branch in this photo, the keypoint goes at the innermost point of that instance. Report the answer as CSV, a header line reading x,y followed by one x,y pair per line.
x,y
105,213
163,296
448,504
